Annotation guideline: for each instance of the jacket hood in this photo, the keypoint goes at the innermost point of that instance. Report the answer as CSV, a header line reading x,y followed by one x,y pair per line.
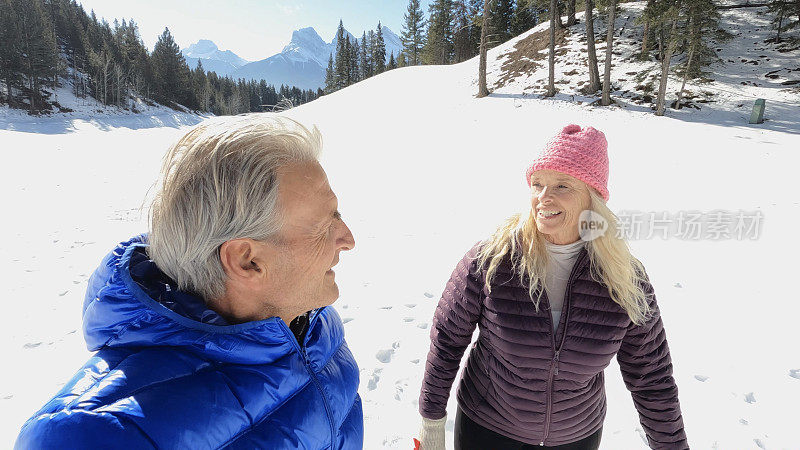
x,y
131,303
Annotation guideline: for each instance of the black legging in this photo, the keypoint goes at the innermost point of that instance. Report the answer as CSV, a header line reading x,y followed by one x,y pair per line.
x,y
471,436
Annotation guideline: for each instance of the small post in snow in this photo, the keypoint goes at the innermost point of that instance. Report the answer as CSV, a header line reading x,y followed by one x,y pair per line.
x,y
757,116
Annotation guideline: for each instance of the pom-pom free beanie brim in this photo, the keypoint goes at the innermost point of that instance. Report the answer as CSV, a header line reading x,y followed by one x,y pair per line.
x,y
579,152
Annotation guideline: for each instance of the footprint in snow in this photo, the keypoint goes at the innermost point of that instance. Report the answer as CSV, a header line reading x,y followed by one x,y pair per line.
x,y
677,285
8,397
386,307
372,384
347,319
32,345
63,293
410,305
701,378
750,398
422,325
408,319
428,294
415,361
759,443
743,422
385,356
794,373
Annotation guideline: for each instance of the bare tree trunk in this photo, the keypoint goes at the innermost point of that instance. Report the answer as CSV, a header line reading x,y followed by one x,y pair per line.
x,y
559,24
645,39
646,34
482,90
662,87
688,65
570,13
551,84
609,43
594,73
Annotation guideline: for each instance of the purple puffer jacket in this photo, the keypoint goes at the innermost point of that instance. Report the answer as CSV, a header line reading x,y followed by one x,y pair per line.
x,y
525,383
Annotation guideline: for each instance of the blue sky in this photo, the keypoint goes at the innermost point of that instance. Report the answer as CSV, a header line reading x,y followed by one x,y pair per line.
x,y
252,29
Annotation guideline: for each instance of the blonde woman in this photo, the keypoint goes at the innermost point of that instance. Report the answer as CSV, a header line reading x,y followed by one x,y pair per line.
x,y
553,306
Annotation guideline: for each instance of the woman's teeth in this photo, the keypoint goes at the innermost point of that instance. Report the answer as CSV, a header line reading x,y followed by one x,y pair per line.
x,y
547,214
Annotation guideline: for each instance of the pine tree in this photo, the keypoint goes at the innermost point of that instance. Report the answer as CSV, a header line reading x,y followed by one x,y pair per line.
x,y
355,53
170,70
38,46
392,62
10,51
673,15
379,51
402,61
330,76
782,10
462,47
703,22
501,15
439,45
341,70
525,17
348,72
412,33
364,58
370,43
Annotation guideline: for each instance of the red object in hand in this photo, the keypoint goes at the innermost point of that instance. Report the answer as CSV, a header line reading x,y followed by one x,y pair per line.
x,y
416,444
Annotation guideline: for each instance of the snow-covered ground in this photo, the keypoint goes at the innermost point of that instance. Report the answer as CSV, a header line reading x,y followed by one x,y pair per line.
x,y
423,170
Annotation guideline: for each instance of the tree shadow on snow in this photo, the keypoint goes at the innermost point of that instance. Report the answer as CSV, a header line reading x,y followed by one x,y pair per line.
x,y
782,117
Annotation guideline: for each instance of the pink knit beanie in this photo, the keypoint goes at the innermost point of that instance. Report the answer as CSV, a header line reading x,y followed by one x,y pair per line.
x,y
581,153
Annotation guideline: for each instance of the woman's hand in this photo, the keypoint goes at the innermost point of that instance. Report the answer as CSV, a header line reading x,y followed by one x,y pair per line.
x,y
431,435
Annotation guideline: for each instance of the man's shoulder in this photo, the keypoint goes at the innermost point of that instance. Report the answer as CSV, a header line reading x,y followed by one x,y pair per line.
x,y
142,396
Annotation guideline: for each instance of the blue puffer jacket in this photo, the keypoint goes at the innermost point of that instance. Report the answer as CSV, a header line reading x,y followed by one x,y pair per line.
x,y
169,373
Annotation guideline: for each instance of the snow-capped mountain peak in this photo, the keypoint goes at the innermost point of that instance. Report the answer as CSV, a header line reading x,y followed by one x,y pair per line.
x,y
208,51
306,45
201,49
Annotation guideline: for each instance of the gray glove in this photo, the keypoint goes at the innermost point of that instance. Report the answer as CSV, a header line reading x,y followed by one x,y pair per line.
x,y
431,435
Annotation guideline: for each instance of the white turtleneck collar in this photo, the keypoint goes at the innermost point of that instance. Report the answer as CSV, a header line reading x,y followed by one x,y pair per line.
x,y
565,249
562,259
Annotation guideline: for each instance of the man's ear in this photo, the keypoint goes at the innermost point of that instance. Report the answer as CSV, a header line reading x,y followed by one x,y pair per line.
x,y
242,259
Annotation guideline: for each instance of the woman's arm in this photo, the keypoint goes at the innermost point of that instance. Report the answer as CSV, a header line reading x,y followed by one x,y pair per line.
x,y
646,367
451,332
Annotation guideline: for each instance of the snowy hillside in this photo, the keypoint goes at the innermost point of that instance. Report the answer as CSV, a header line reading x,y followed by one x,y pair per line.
x,y
418,184
79,113
749,67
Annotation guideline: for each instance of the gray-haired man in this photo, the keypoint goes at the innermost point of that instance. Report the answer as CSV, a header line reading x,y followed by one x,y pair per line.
x,y
213,330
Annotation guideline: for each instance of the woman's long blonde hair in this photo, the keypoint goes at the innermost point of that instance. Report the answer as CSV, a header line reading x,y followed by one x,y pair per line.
x,y
611,262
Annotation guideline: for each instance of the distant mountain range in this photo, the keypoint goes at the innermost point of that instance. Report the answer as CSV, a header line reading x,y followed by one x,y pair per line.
x,y
301,63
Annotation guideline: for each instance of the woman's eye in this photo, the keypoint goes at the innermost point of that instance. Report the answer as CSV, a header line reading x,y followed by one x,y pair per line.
x,y
561,186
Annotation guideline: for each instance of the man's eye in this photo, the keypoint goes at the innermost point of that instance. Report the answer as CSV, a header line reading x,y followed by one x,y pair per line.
x,y
562,186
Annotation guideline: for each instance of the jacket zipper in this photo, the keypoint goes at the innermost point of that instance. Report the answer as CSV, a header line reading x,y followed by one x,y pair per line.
x,y
557,351
307,364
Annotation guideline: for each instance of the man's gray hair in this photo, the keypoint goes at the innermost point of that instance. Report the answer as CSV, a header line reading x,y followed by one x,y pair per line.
x,y
219,182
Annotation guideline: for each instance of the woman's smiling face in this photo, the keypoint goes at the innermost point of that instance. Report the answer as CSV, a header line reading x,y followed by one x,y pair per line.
x,y
557,200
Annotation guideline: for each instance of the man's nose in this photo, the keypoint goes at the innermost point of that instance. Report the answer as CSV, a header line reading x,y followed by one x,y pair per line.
x,y
347,241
